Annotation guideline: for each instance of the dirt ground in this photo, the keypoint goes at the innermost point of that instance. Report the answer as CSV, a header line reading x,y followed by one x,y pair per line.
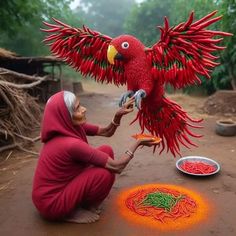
x,y
19,217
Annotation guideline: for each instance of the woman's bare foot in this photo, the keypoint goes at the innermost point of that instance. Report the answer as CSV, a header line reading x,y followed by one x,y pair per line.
x,y
96,210
82,216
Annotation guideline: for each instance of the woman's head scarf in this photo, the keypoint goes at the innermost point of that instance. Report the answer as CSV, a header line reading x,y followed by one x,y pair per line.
x,y
57,118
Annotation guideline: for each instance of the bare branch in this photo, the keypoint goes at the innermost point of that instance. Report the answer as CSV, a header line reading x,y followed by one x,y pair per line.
x,y
4,71
9,154
23,86
29,151
17,145
6,98
27,138
10,146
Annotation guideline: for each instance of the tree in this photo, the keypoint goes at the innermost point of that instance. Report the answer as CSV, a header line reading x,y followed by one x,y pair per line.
x,y
226,73
145,17
200,8
22,12
21,21
106,16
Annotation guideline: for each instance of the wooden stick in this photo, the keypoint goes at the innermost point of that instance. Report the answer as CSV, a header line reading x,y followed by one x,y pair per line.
x,y
27,138
17,145
6,99
8,155
4,71
29,151
23,86
10,146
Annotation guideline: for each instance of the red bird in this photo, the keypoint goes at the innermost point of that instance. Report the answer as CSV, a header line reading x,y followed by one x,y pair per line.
x,y
178,58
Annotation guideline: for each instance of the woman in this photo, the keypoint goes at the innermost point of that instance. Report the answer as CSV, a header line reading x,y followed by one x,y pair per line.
x,y
72,178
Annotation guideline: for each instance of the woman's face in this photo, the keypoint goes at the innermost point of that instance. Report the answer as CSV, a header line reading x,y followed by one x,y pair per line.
x,y
78,116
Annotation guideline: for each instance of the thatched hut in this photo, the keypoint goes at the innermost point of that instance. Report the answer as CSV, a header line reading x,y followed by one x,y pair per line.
x,y
20,78
34,66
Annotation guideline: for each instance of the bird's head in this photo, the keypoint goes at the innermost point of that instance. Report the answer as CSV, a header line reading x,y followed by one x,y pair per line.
x,y
124,47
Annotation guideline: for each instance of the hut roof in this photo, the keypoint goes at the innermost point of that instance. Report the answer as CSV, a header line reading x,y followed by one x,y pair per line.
x,y
11,56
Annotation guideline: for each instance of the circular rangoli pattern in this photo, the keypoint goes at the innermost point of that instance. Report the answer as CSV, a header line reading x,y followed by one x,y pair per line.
x,y
167,207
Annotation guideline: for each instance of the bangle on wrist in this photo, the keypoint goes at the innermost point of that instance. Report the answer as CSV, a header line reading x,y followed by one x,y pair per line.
x,y
114,123
129,153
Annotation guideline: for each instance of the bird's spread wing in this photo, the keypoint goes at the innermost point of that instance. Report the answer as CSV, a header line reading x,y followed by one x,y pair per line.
x,y
85,50
185,51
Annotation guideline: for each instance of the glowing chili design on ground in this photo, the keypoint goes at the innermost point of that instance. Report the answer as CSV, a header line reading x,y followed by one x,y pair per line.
x,y
167,207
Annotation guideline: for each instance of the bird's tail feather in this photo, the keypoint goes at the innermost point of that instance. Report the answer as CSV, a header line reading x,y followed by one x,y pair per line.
x,y
170,122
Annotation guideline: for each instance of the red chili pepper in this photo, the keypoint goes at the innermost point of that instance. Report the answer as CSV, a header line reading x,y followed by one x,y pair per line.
x,y
197,167
209,22
204,18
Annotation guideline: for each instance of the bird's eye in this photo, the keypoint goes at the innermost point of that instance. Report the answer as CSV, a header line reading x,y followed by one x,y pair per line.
x,y
125,45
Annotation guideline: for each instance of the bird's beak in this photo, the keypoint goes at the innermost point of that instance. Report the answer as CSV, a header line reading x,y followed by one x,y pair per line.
x,y
111,54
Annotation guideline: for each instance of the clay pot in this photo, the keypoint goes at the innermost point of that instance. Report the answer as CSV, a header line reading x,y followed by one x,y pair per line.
x,y
225,127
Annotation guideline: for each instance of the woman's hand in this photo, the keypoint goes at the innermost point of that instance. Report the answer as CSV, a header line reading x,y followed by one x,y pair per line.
x,y
118,165
147,142
126,108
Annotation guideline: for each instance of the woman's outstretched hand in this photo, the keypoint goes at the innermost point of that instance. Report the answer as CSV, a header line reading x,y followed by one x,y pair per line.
x,y
147,142
126,108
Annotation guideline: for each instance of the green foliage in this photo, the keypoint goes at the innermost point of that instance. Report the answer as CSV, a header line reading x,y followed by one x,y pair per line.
x,y
21,21
70,73
226,74
106,16
21,13
200,8
145,17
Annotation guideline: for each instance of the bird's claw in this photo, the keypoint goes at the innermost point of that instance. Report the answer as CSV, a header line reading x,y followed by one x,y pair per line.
x,y
124,96
139,95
